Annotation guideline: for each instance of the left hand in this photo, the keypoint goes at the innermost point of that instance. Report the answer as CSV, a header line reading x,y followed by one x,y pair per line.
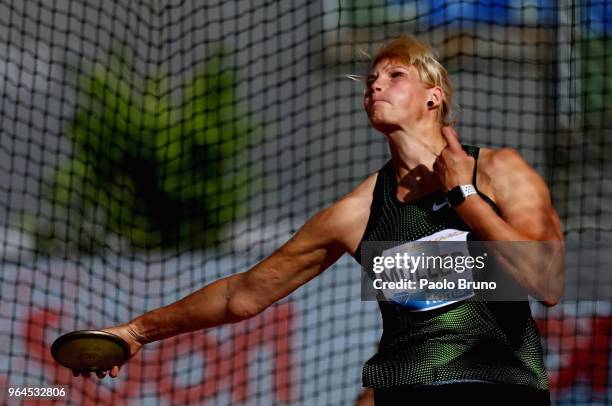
x,y
453,166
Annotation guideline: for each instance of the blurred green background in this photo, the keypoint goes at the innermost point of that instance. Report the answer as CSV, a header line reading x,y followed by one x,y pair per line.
x,y
146,169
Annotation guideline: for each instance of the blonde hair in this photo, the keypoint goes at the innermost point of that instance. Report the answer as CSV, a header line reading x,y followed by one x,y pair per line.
x,y
411,52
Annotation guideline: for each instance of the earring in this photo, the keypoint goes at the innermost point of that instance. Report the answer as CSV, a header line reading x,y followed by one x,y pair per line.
x,y
430,103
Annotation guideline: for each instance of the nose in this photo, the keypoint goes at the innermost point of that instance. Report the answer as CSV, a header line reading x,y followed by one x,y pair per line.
x,y
374,86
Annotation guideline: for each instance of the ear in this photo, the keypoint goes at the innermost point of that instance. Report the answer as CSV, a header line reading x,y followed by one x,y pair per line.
x,y
436,94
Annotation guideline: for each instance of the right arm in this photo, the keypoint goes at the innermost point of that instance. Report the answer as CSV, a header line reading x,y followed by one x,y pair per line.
x,y
317,245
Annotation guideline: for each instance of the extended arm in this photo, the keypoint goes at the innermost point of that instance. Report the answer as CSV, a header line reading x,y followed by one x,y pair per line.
x,y
241,296
316,246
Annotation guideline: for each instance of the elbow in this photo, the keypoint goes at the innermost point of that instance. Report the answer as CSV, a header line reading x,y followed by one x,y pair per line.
x,y
554,282
550,294
553,296
241,304
551,301
241,308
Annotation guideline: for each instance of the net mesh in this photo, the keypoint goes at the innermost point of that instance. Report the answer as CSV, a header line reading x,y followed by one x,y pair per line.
x,y
151,147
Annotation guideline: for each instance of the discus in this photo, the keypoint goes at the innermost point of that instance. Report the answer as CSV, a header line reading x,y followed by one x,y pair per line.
x,y
90,350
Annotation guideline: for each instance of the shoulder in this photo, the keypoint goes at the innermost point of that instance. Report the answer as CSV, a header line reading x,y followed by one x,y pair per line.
x,y
351,209
521,194
508,170
346,219
490,167
497,159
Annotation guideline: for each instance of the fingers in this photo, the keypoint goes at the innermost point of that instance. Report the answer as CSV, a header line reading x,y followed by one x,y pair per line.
x,y
113,373
83,374
450,135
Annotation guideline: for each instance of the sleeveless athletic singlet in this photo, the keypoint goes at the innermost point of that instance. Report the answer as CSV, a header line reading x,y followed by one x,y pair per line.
x,y
469,341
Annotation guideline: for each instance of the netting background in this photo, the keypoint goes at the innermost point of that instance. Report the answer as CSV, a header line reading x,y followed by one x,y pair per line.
x,y
151,147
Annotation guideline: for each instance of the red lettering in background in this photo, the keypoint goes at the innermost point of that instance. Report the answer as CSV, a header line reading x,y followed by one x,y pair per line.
x,y
225,365
583,346
86,391
275,328
3,389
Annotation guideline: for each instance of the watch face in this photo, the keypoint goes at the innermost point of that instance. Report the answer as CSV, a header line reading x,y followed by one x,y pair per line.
x,y
455,196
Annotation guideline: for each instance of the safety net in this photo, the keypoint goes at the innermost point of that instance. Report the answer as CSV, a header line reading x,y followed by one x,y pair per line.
x,y
151,147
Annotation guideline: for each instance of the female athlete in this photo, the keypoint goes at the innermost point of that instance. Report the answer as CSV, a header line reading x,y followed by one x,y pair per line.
x,y
467,352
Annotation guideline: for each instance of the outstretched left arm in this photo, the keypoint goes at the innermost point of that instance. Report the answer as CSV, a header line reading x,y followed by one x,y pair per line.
x,y
526,214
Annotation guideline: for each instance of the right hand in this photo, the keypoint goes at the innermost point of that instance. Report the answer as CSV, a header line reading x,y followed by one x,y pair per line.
x,y
129,335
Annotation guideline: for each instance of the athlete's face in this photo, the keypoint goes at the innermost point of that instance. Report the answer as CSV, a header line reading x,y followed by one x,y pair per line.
x,y
394,96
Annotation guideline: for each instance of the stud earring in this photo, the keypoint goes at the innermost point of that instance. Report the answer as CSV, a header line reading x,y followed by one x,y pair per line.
x,y
430,103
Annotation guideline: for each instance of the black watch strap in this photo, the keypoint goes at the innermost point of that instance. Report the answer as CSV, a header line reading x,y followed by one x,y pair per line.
x,y
457,195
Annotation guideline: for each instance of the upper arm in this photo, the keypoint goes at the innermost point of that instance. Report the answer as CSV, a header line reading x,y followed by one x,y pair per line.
x,y
317,245
523,197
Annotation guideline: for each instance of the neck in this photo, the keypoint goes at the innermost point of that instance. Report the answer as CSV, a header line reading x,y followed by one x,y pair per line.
x,y
413,153
415,147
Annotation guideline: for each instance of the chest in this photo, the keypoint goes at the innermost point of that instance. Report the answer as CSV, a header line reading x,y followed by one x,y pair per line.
x,y
409,221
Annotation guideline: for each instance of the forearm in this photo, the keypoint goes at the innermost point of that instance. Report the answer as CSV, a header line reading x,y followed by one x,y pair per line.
x,y
485,222
205,308
244,295
535,265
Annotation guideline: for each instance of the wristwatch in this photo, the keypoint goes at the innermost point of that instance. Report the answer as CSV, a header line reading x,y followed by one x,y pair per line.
x,y
457,195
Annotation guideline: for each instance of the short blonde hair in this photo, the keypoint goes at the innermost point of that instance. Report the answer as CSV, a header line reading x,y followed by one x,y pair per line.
x,y
411,52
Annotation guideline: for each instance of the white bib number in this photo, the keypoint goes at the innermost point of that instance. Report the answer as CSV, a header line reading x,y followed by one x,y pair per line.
x,y
433,286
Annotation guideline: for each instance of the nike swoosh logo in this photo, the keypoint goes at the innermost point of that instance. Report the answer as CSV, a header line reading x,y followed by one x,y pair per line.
x,y
437,207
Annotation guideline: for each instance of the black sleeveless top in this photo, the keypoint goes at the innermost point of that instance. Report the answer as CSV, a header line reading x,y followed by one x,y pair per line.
x,y
468,341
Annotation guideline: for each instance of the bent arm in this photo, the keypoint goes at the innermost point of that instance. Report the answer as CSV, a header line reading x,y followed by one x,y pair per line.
x,y
526,215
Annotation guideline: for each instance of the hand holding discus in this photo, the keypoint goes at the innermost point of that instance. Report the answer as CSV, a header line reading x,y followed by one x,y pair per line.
x,y
100,351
